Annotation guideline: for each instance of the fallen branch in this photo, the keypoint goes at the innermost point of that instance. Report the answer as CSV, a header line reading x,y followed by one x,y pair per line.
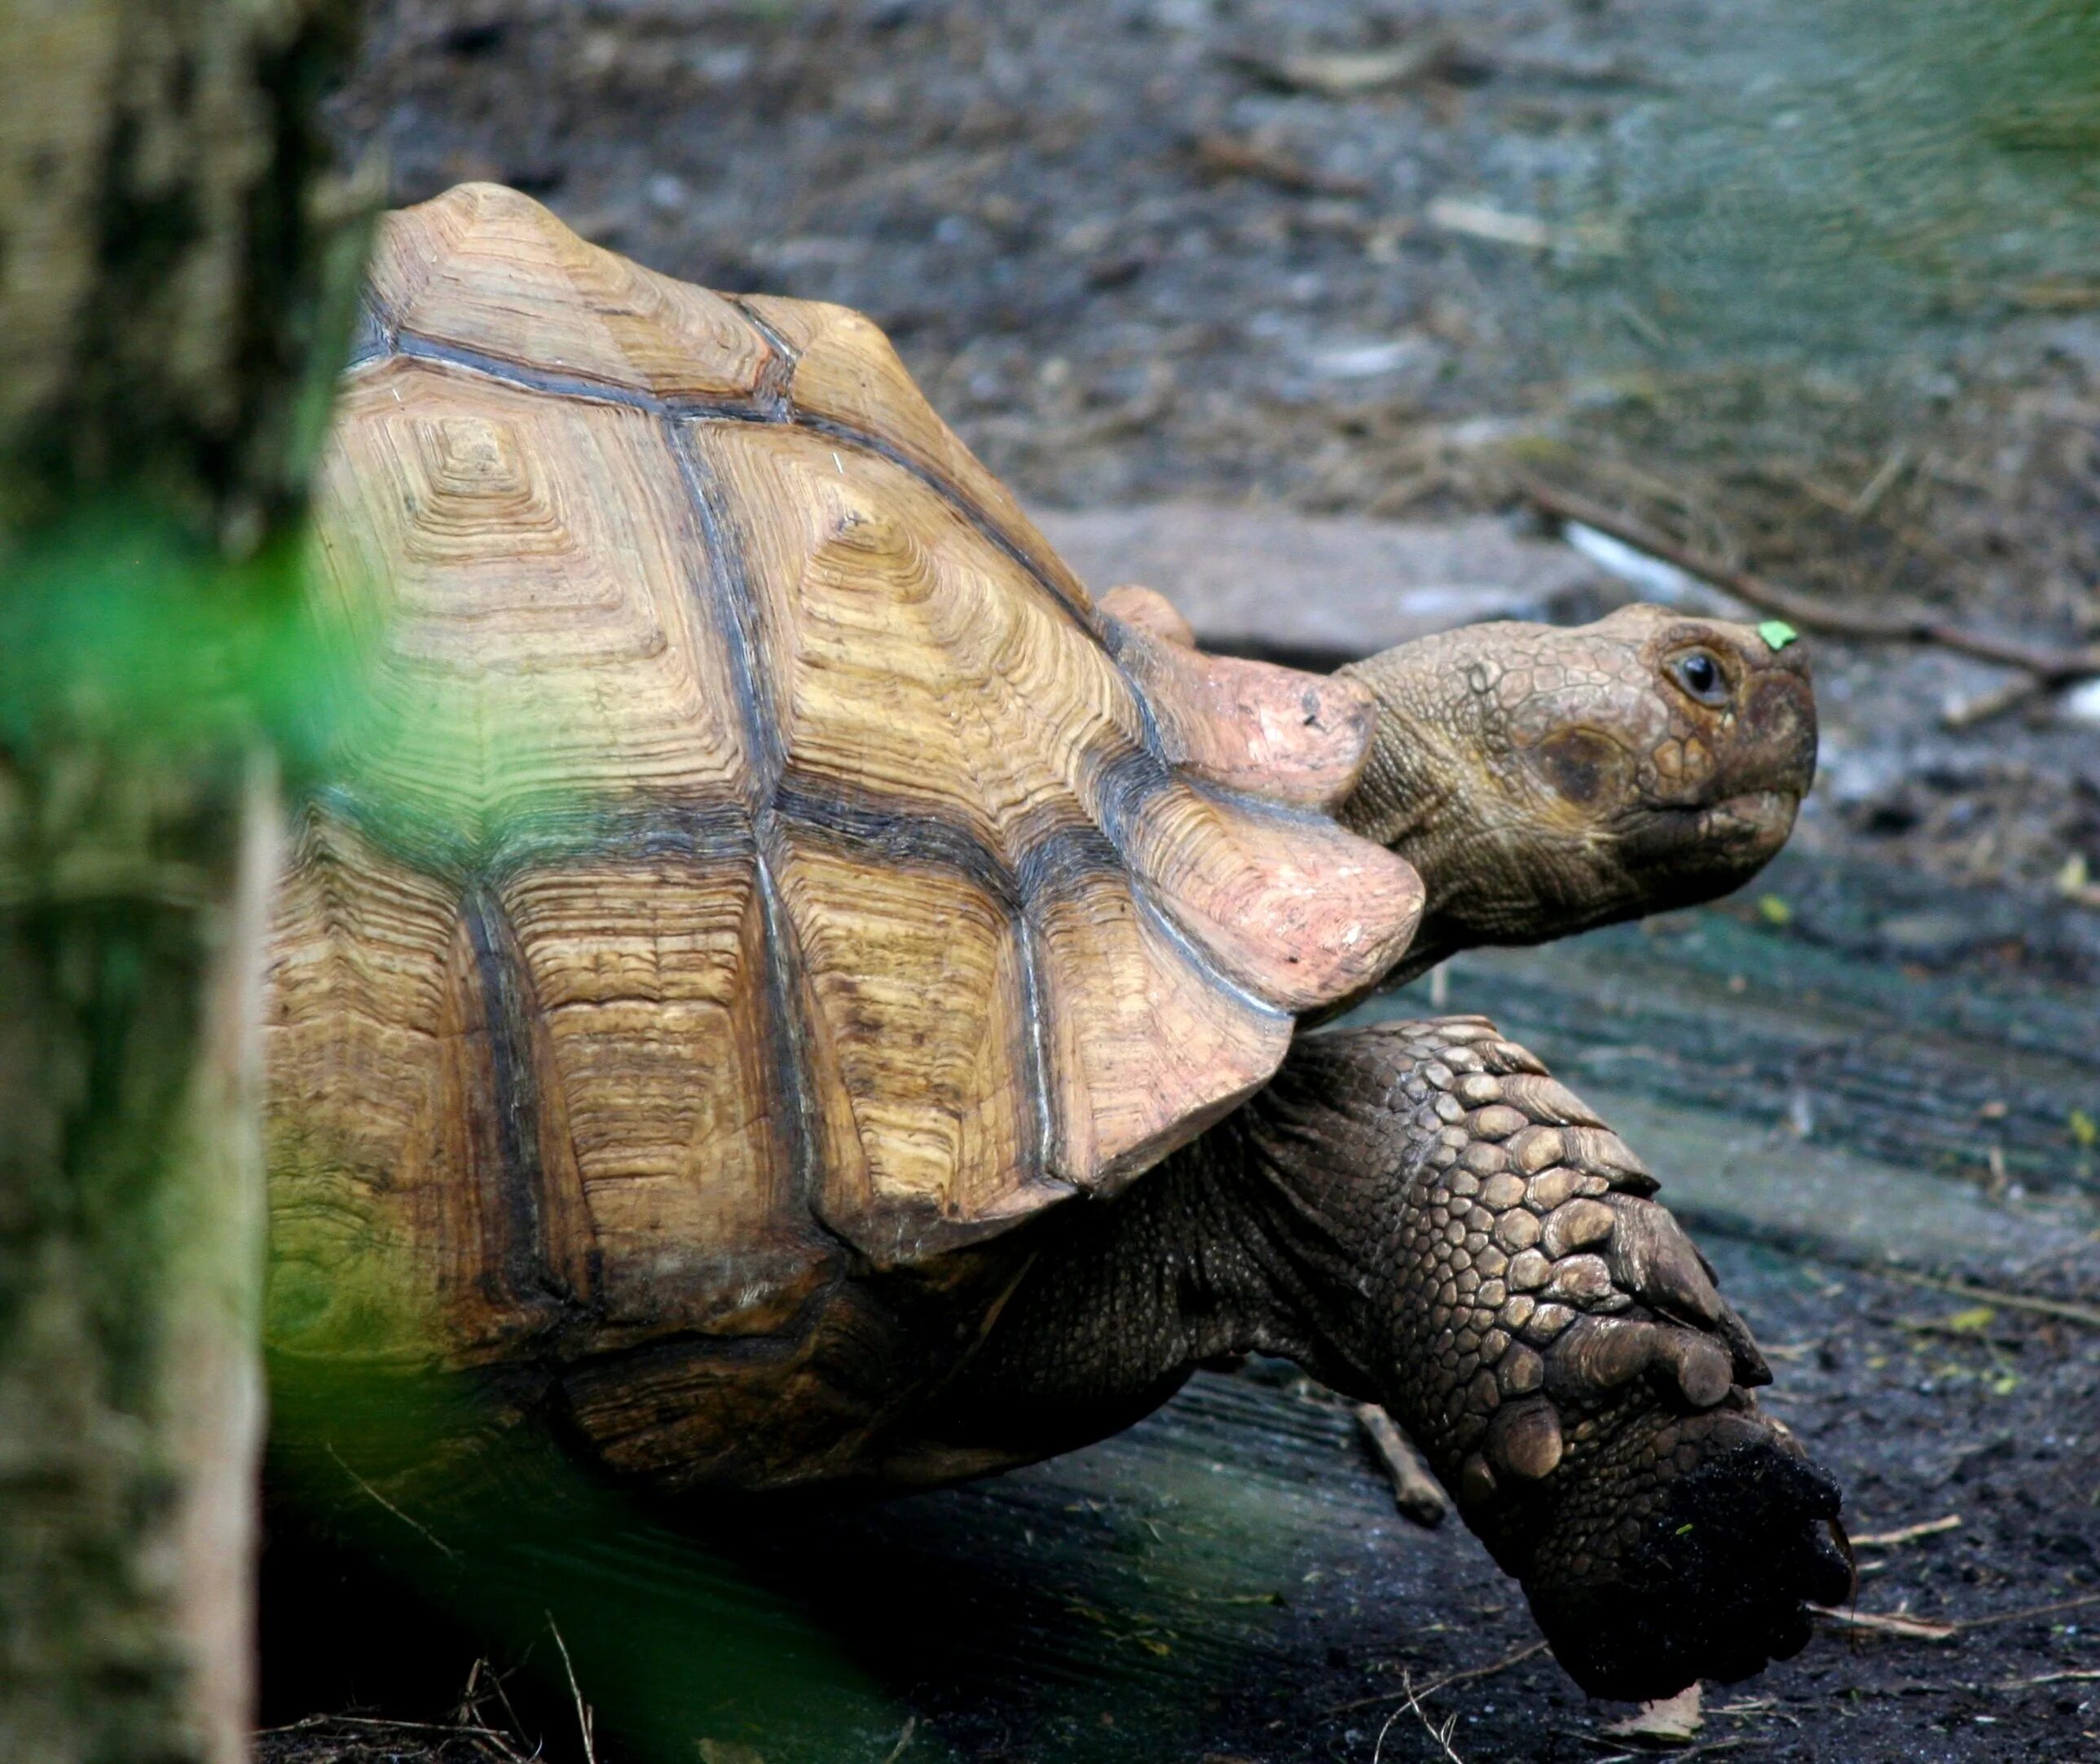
x,y
2067,1309
1414,1491
1911,1628
2052,667
1449,1679
1923,1629
1931,1528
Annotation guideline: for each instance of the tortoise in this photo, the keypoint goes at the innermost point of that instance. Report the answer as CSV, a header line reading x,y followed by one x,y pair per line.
x,y
780,972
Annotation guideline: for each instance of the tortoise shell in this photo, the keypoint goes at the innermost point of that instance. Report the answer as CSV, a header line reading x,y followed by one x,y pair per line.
x,y
754,854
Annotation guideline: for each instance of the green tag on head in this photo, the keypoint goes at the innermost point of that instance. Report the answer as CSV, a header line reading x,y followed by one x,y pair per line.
x,y
1778,634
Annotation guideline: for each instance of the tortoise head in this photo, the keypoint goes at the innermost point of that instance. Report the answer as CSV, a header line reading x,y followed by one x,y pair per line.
x,y
1544,780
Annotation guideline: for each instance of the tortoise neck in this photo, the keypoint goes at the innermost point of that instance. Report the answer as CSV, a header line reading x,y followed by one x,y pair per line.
x,y
1117,1304
1410,797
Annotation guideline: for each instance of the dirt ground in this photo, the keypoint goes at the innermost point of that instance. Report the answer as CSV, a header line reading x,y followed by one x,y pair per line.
x,y
1017,1620
1381,259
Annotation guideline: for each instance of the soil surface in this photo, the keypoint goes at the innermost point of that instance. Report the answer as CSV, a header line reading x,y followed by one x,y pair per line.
x,y
1365,266
1110,1606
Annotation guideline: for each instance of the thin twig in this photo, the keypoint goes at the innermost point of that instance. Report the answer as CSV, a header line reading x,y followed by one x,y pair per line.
x,y
575,1691
421,1530
378,1724
1931,1528
1447,1680
1881,483
2048,1610
2083,1676
1924,1630
2065,1308
1441,1735
1378,1751
2054,667
1239,156
903,1739
1987,706
1910,1628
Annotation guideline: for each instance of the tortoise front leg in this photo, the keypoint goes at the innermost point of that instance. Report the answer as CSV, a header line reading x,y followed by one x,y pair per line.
x,y
1421,1217
1465,1242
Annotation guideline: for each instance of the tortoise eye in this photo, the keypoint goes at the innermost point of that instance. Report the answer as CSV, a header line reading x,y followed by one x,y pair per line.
x,y
1701,675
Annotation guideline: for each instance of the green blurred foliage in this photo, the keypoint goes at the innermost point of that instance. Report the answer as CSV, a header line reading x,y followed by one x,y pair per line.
x,y
495,1527
120,629
1828,176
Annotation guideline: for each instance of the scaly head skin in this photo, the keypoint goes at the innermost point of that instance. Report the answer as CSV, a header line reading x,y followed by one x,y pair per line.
x,y
1545,780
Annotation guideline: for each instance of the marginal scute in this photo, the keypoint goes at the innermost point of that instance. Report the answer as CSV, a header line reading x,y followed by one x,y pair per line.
x,y
1293,908
1251,725
1145,1051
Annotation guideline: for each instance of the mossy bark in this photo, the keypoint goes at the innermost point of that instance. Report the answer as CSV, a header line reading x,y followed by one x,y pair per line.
x,y
163,280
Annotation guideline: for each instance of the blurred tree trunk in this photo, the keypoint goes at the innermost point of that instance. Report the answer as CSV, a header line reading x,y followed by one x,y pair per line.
x,y
163,280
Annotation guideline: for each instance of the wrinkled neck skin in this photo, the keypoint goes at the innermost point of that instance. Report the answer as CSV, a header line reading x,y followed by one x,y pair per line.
x,y
1218,1251
1419,797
